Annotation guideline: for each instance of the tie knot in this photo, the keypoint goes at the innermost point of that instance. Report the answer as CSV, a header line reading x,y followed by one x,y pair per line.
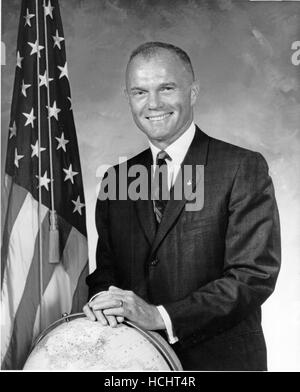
x,y
162,156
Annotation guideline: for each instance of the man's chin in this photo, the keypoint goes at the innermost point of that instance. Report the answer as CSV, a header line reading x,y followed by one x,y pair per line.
x,y
157,136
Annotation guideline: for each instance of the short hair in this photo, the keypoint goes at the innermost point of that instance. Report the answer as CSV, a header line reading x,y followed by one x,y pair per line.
x,y
149,49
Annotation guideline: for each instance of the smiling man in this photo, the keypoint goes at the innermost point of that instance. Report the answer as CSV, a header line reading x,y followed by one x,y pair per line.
x,y
197,276
161,91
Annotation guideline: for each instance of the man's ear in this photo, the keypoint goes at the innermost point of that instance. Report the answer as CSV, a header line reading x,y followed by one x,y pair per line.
x,y
195,89
126,94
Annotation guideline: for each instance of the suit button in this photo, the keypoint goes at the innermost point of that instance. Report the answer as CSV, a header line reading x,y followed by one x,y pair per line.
x,y
154,262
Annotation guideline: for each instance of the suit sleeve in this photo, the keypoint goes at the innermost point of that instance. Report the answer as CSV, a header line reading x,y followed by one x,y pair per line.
x,y
104,274
251,262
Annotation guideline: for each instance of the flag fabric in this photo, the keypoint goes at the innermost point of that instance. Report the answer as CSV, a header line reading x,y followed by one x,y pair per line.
x,y
44,242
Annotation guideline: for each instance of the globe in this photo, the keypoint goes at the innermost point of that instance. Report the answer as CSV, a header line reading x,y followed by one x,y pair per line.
x,y
76,343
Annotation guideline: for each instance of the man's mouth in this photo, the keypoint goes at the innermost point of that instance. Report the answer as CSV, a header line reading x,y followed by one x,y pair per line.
x,y
159,117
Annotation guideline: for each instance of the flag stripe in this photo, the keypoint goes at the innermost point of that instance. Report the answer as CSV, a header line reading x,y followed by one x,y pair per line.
x,y
20,253
22,333
18,342
6,183
81,293
57,298
17,195
75,256
64,279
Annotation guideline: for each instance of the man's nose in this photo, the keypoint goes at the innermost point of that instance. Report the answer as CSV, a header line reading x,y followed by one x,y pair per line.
x,y
154,101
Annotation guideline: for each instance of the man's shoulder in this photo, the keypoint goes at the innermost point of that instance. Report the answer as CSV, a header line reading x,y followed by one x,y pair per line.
x,y
229,151
225,157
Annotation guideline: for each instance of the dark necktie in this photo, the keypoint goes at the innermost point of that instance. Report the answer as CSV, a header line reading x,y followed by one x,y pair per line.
x,y
160,189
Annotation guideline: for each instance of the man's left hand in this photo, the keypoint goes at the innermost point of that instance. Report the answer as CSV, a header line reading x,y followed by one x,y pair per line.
x,y
124,303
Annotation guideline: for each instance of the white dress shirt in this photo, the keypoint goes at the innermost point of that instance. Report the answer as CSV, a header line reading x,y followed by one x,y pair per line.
x,y
177,151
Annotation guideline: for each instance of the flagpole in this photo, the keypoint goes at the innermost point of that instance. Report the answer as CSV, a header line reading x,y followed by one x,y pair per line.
x,y
39,166
53,231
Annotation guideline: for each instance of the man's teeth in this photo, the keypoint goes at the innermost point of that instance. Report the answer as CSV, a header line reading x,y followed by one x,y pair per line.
x,y
159,118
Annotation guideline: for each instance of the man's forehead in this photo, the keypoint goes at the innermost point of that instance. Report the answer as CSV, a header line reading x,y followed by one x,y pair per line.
x,y
161,65
161,58
148,70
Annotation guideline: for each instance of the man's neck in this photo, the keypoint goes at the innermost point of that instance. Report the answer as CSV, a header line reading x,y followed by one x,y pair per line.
x,y
178,149
163,144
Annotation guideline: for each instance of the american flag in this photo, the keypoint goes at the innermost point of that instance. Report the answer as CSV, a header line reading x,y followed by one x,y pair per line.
x,y
44,247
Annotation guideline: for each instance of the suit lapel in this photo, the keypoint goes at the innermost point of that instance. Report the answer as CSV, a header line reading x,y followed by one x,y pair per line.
x,y
196,155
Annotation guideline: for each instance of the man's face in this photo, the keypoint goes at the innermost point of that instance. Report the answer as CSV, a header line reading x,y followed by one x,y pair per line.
x,y
161,95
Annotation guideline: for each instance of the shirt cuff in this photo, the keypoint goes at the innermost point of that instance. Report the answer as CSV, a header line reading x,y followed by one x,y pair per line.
x,y
168,324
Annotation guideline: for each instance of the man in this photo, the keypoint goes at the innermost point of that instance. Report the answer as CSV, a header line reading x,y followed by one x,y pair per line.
x,y
197,275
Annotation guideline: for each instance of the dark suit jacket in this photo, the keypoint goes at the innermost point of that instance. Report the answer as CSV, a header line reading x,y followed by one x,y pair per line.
x,y
211,269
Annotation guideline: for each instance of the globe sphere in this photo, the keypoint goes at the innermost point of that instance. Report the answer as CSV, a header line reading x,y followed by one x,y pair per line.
x,y
76,343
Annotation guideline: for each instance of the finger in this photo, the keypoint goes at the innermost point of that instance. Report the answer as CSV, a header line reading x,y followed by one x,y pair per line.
x,y
114,289
101,297
100,317
114,312
89,313
107,303
120,319
130,295
112,321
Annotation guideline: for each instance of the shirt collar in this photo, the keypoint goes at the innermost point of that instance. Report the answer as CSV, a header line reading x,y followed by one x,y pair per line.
x,y
178,149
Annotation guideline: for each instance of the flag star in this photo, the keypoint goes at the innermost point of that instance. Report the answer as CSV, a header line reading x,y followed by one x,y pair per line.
x,y
70,108
35,149
17,158
53,111
70,174
24,88
78,205
49,9
13,130
19,60
27,17
64,71
43,80
35,48
62,142
30,118
43,181
57,40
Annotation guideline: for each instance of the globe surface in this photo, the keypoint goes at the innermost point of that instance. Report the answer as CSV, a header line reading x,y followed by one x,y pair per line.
x,y
81,344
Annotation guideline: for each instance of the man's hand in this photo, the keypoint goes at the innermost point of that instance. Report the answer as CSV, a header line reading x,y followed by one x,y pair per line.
x,y
94,315
118,303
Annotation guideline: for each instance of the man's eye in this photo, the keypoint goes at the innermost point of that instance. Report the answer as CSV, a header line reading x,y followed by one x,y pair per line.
x,y
166,88
138,93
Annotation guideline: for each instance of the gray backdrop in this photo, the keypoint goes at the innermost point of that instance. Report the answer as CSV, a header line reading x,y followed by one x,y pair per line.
x,y
242,54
